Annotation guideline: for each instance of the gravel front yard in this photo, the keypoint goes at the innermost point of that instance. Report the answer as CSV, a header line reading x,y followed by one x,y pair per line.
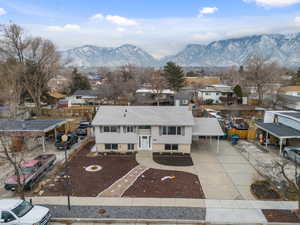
x,y
150,184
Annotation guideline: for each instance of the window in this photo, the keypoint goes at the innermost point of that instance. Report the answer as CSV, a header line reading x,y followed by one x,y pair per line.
x,y
128,129
172,130
130,146
207,93
78,97
111,146
171,147
111,129
144,127
7,217
217,93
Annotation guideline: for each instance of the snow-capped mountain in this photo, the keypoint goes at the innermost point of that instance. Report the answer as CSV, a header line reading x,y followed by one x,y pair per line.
x,y
285,49
93,56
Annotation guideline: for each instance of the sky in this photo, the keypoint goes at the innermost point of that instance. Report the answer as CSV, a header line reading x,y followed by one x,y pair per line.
x,y
161,27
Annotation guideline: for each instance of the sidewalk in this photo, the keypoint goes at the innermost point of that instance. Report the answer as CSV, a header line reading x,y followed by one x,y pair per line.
x,y
178,210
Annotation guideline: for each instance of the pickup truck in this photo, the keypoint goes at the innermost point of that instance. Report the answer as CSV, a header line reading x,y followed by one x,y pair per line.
x,y
20,212
31,172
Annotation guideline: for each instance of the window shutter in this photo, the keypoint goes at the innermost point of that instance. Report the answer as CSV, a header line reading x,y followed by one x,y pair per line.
x,y
160,130
101,129
182,131
118,129
124,129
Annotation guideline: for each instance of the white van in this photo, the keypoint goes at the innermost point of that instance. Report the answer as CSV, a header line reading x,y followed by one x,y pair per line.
x,y
20,212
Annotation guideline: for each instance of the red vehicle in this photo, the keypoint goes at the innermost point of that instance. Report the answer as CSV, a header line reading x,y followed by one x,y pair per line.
x,y
31,172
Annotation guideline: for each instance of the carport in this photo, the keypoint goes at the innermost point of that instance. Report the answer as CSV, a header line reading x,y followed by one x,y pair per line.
x,y
29,128
278,130
208,127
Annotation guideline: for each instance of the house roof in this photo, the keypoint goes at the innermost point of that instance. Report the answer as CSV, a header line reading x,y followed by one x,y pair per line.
x,y
88,92
224,89
279,130
184,95
207,127
144,115
290,88
38,126
150,91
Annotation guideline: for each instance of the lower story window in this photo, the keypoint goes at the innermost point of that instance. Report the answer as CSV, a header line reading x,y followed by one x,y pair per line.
x,y
173,147
130,146
111,146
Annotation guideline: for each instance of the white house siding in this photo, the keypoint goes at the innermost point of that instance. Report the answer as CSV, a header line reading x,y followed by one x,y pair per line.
x,y
215,96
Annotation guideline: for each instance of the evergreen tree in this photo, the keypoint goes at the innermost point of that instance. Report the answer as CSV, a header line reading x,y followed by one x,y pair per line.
x,y
79,82
174,75
238,91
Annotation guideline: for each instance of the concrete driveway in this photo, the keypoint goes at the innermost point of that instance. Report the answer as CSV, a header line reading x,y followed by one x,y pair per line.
x,y
224,175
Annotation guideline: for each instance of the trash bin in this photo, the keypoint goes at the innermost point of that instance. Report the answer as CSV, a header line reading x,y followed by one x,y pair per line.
x,y
234,139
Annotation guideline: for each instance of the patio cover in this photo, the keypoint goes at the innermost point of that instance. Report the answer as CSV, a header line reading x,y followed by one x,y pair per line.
x,y
207,127
279,130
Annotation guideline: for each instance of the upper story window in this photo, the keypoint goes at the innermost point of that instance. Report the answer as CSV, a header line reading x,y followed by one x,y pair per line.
x,y
128,129
144,127
207,93
171,130
78,97
110,129
298,93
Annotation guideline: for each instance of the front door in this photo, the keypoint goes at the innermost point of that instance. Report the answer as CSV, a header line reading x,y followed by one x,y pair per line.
x,y
144,142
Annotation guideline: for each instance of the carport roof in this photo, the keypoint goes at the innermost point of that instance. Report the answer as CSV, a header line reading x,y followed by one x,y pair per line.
x,y
207,127
28,127
279,130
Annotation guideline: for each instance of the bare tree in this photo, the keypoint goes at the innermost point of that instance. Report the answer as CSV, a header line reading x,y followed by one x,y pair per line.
x,y
13,44
42,64
15,158
283,173
157,83
260,73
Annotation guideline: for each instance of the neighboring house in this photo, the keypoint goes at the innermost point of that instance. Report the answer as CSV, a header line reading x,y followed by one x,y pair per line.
x,y
155,128
215,92
147,96
184,98
283,127
290,97
83,97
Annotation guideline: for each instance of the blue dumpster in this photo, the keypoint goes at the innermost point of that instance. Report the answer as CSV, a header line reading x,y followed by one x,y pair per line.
x,y
234,139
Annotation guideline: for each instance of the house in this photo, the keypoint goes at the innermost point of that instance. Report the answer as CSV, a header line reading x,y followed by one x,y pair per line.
x,y
150,128
147,96
280,128
82,97
184,98
290,97
215,93
129,128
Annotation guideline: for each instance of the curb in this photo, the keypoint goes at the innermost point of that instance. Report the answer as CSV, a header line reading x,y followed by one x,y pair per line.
x,y
158,221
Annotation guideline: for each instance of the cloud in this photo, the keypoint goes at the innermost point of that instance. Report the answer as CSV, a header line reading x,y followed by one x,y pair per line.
x,y
119,20
97,17
67,27
121,29
274,3
297,21
2,12
208,10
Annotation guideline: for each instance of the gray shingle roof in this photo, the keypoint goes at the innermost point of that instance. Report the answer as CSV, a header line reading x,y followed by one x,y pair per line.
x,y
207,127
279,130
144,115
29,125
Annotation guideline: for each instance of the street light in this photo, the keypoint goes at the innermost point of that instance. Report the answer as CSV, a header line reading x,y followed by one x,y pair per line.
x,y
64,138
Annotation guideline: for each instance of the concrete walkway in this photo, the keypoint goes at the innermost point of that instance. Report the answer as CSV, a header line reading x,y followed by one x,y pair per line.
x,y
225,175
118,188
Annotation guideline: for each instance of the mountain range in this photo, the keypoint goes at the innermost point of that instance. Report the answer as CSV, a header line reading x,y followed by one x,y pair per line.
x,y
284,49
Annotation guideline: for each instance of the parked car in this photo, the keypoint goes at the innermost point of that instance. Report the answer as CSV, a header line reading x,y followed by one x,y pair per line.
x,y
292,153
84,124
20,212
63,145
81,131
31,172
